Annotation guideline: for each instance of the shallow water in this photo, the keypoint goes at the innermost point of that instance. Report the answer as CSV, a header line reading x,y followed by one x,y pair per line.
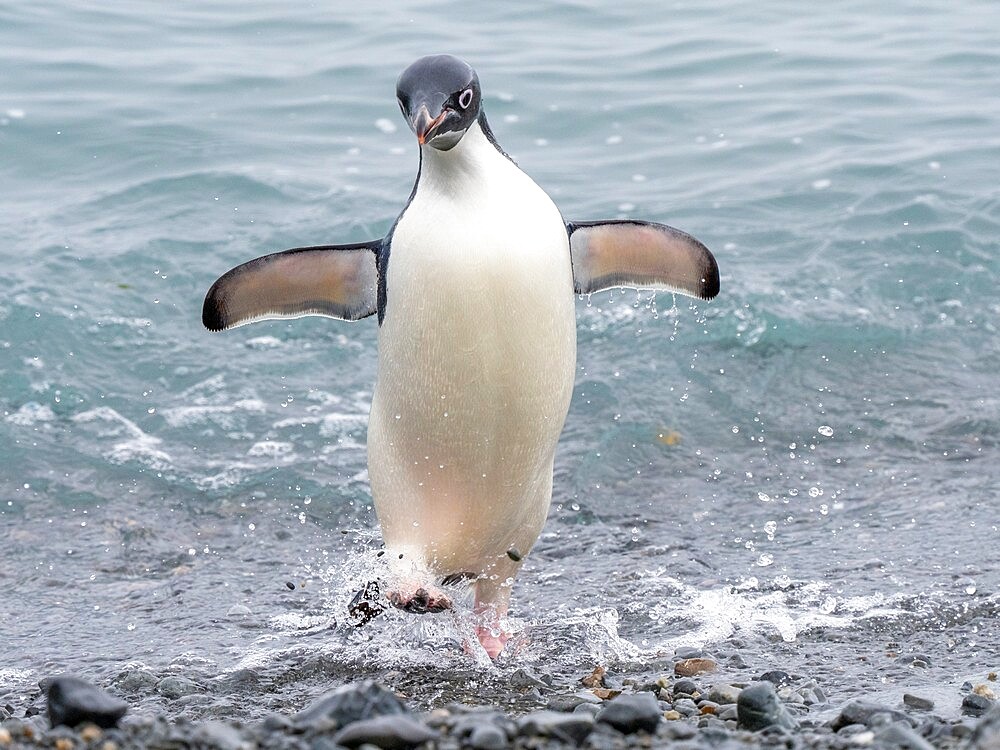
x,y
801,474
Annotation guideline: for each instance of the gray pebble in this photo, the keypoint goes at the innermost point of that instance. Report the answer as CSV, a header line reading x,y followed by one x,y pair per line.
x,y
758,707
487,737
686,686
569,727
347,704
900,734
632,713
986,735
915,701
175,687
777,677
686,707
868,713
391,732
587,708
723,694
975,705
219,736
72,701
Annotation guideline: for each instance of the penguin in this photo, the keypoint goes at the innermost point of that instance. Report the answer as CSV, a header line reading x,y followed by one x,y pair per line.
x,y
474,292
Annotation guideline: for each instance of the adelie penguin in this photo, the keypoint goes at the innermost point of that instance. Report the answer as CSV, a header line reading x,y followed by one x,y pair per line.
x,y
474,291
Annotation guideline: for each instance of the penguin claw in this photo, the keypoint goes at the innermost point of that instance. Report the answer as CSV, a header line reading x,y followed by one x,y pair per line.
x,y
420,602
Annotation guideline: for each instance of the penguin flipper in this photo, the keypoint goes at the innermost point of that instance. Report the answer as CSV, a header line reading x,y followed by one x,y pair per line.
x,y
640,255
338,281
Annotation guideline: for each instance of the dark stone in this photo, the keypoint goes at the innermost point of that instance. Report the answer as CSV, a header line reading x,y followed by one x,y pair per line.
x,y
689,687
632,713
986,735
73,701
176,687
723,694
348,704
975,705
758,707
915,701
390,732
219,736
866,713
899,734
776,677
567,727
487,737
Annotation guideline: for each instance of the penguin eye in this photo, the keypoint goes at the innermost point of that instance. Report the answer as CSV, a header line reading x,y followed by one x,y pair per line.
x,y
465,99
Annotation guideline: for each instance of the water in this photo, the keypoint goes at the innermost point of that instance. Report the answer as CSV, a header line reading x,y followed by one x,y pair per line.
x,y
801,474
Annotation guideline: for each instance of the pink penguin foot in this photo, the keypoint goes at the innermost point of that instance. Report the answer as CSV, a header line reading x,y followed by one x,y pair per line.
x,y
420,600
493,640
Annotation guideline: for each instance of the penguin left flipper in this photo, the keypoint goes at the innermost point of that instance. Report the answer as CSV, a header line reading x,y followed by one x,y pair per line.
x,y
338,281
640,255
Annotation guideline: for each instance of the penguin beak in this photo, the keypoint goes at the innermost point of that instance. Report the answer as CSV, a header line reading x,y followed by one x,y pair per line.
x,y
424,125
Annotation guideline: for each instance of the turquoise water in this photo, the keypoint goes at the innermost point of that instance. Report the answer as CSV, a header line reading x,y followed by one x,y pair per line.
x,y
803,471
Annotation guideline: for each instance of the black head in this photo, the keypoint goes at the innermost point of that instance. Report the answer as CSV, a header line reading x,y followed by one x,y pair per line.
x,y
440,98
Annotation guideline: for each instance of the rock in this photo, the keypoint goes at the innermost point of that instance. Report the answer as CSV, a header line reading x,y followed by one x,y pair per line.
x,y
759,707
918,703
723,694
671,715
776,677
691,667
975,705
176,687
487,737
524,679
986,735
348,704
595,679
865,713
390,732
688,687
632,713
686,707
219,736
567,727
564,703
72,701
899,734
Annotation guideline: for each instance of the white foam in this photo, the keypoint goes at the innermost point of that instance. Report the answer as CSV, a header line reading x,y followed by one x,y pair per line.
x,y
138,445
31,413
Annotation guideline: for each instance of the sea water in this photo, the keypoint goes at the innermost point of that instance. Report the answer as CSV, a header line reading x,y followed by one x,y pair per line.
x,y
803,473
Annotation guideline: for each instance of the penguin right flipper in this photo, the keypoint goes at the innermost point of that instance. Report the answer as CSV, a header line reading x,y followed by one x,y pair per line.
x,y
640,255
338,281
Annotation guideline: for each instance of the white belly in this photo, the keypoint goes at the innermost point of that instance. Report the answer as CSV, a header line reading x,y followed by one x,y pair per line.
x,y
477,355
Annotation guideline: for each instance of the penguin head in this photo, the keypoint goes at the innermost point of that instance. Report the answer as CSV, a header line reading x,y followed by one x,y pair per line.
x,y
440,99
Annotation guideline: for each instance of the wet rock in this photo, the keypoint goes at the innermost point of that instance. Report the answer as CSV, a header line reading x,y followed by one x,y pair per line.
x,y
918,703
866,713
390,732
487,737
72,701
686,707
723,694
176,687
986,735
776,677
595,679
691,667
570,702
219,736
759,707
523,679
568,727
899,734
632,713
348,704
686,686
975,705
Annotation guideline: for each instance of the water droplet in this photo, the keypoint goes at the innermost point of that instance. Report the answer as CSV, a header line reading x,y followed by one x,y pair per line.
x,y
815,492
825,430
765,559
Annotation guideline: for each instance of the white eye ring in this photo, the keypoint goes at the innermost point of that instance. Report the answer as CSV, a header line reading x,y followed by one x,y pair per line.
x,y
465,99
